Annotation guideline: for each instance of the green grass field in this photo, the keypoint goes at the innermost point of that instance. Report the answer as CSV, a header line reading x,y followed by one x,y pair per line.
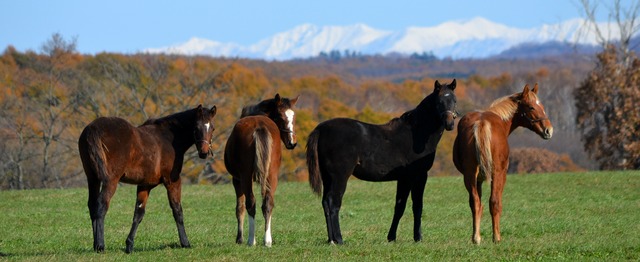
x,y
569,216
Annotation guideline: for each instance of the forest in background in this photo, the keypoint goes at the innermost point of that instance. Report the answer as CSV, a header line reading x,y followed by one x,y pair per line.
x,y
48,97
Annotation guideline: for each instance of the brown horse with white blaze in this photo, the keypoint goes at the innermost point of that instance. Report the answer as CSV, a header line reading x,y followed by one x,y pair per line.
x,y
113,151
253,153
481,149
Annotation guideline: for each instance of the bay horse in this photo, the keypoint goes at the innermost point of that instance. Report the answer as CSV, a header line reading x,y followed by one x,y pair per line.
x,y
253,153
481,149
402,149
112,150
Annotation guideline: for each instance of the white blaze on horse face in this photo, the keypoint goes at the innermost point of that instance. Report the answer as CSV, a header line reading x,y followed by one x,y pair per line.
x,y
252,231
289,113
207,125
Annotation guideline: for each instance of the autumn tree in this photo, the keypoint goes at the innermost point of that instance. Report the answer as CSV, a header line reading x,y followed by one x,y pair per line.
x,y
608,99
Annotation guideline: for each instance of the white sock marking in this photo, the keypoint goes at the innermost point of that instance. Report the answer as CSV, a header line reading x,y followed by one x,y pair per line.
x,y
252,231
267,234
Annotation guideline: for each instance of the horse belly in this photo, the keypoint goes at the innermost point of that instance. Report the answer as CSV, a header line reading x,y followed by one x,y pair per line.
x,y
146,171
375,173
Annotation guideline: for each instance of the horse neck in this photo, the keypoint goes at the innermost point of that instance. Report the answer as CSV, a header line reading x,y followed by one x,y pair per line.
x,y
507,110
180,125
252,110
425,113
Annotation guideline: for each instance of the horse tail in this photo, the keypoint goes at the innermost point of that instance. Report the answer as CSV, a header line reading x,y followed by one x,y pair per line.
x,y
94,152
482,135
263,140
315,180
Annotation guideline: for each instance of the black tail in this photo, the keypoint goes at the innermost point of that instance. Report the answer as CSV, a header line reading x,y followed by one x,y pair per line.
x,y
315,180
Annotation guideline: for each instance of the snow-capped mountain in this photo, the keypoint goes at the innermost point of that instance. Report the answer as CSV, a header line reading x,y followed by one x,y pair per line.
x,y
474,38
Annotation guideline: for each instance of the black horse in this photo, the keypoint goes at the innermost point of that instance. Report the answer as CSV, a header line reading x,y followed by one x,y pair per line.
x,y
402,149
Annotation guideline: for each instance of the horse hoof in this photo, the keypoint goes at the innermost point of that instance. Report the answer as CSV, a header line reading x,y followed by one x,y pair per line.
x,y
267,244
99,249
476,241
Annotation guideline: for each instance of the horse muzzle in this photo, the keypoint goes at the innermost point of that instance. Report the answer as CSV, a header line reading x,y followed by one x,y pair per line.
x,y
547,133
290,145
204,149
449,117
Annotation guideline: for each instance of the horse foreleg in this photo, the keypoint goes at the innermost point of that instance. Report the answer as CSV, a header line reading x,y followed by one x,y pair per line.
x,y
107,191
417,193
250,203
138,214
173,192
402,193
240,208
495,205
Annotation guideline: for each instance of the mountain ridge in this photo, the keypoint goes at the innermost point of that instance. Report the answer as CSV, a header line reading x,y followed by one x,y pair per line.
x,y
473,38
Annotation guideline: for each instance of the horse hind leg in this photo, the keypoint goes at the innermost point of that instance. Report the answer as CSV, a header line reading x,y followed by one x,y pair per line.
x,y
104,198
332,202
240,210
92,204
474,187
250,203
495,205
138,214
267,211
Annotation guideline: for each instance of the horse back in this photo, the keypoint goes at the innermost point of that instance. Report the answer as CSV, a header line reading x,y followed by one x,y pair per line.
x,y
128,154
369,152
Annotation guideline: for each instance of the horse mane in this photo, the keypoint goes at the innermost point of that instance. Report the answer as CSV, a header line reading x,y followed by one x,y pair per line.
x,y
412,115
505,107
257,109
172,119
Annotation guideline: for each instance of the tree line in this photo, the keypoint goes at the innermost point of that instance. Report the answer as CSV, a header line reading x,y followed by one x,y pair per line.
x,y
47,98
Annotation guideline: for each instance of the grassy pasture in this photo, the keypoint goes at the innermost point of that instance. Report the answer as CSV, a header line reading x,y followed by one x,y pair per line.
x,y
567,216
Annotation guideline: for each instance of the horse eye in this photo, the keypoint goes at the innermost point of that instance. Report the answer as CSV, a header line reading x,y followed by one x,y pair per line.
x,y
531,108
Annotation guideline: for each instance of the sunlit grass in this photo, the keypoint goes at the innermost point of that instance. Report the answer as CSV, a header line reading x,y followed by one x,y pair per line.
x,y
569,216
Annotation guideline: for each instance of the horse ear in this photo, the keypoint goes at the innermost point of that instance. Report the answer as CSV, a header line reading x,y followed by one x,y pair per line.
x,y
525,91
436,86
294,101
535,89
453,84
278,99
213,110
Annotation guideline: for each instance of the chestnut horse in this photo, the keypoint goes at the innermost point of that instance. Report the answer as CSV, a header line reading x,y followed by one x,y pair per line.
x,y
402,149
252,153
481,149
112,150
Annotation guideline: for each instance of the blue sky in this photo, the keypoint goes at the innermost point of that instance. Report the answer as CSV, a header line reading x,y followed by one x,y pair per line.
x,y
130,26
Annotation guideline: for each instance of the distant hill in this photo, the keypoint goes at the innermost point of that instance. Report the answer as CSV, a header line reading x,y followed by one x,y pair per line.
x,y
548,49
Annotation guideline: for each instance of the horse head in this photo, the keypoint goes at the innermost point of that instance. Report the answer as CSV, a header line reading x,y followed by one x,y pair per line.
x,y
531,113
203,130
284,117
446,103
